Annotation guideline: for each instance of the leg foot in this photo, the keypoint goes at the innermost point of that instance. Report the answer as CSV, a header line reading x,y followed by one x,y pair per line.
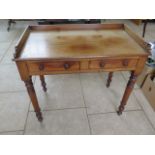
x,y
120,110
39,116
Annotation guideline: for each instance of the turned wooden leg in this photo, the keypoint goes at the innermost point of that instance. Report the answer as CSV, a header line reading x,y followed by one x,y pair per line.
x,y
127,92
43,83
33,97
109,79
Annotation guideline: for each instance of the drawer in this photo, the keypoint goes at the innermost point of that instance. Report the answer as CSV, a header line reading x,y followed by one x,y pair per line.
x,y
113,63
35,66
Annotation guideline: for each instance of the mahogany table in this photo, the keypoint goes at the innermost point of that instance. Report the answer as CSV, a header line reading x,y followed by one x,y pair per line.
x,y
76,48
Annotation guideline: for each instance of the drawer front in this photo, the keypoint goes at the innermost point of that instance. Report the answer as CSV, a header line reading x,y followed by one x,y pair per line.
x,y
53,66
113,63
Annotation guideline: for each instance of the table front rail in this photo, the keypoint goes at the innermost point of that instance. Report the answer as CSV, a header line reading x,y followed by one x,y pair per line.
x,y
76,66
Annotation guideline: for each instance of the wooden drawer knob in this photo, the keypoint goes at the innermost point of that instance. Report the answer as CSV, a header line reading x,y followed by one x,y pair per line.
x,y
125,63
66,66
102,64
41,67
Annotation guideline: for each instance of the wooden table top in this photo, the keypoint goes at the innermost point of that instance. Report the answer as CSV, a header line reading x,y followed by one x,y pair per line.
x,y
79,44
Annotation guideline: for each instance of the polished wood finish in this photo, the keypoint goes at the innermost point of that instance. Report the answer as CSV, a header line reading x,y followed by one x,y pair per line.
x,y
113,63
80,44
33,97
137,39
127,92
68,27
49,66
130,84
79,48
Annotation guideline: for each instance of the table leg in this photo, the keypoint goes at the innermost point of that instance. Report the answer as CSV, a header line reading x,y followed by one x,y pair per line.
x,y
43,83
144,27
109,79
33,97
9,23
127,92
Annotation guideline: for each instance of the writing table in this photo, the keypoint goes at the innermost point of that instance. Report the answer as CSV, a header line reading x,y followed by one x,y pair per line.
x,y
76,48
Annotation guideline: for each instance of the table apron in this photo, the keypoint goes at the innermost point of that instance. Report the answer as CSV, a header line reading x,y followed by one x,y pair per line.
x,y
76,66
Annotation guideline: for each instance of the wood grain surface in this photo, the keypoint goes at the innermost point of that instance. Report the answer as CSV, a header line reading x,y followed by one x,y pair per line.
x,y
73,44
